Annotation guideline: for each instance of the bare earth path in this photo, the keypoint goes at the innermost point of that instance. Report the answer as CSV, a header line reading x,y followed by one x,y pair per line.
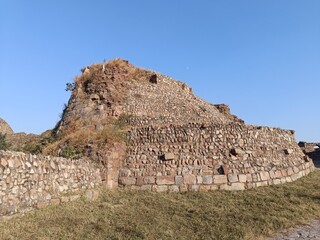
x,y
309,231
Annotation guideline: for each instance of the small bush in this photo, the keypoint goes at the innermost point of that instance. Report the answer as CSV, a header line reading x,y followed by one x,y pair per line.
x,y
71,152
3,144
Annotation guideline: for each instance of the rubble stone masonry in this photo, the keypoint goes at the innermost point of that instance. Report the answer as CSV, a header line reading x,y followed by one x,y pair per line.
x,y
34,181
199,157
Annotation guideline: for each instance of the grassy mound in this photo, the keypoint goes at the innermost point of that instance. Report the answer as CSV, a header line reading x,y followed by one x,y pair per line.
x,y
146,215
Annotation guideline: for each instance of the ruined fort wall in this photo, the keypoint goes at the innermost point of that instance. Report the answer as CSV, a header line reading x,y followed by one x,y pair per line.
x,y
197,157
30,181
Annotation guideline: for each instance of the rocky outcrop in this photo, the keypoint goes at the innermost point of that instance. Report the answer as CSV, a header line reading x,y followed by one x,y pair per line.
x,y
118,88
225,110
5,127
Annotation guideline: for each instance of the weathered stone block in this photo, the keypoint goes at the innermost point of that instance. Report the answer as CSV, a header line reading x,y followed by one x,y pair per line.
x,y
179,180
233,177
168,156
4,162
261,184
146,187
52,165
194,188
242,178
290,171
150,180
189,179
165,180
249,177
10,163
220,179
124,172
233,187
296,176
199,179
173,188
264,176
161,188
278,174
295,169
183,188
205,188
134,187
140,181
283,180
276,181
272,174
207,180
127,180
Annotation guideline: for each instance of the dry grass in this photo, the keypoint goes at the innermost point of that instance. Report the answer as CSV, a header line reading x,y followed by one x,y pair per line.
x,y
146,215
77,137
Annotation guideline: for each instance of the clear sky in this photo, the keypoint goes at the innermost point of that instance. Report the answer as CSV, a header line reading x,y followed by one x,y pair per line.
x,y
260,57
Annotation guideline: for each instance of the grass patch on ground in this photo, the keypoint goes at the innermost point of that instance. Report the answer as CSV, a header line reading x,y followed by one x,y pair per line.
x,y
123,214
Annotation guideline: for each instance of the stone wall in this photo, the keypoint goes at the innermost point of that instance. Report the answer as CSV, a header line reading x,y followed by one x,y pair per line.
x,y
197,157
29,181
312,150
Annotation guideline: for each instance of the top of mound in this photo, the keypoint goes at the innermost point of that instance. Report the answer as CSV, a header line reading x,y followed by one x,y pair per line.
x,y
142,97
5,127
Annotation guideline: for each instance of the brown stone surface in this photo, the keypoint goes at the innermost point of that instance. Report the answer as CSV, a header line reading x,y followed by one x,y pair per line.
x,y
117,87
5,127
189,179
165,180
233,155
51,177
127,180
220,179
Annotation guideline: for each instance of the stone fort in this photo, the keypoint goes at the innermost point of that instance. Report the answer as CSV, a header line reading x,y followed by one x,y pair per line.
x,y
133,128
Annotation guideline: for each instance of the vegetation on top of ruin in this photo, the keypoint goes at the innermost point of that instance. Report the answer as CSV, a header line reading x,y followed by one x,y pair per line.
x,y
119,214
85,141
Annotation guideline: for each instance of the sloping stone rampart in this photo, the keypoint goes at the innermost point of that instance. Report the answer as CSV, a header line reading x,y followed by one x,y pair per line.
x,y
198,157
34,181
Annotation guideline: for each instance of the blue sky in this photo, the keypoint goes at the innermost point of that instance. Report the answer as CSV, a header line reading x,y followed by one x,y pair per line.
x,y
260,57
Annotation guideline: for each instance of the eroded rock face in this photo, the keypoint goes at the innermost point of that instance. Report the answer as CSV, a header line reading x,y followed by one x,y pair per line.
x,y
225,110
118,88
5,127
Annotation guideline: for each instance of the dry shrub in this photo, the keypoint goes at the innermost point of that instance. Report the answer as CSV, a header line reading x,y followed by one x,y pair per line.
x,y
118,63
138,74
74,141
